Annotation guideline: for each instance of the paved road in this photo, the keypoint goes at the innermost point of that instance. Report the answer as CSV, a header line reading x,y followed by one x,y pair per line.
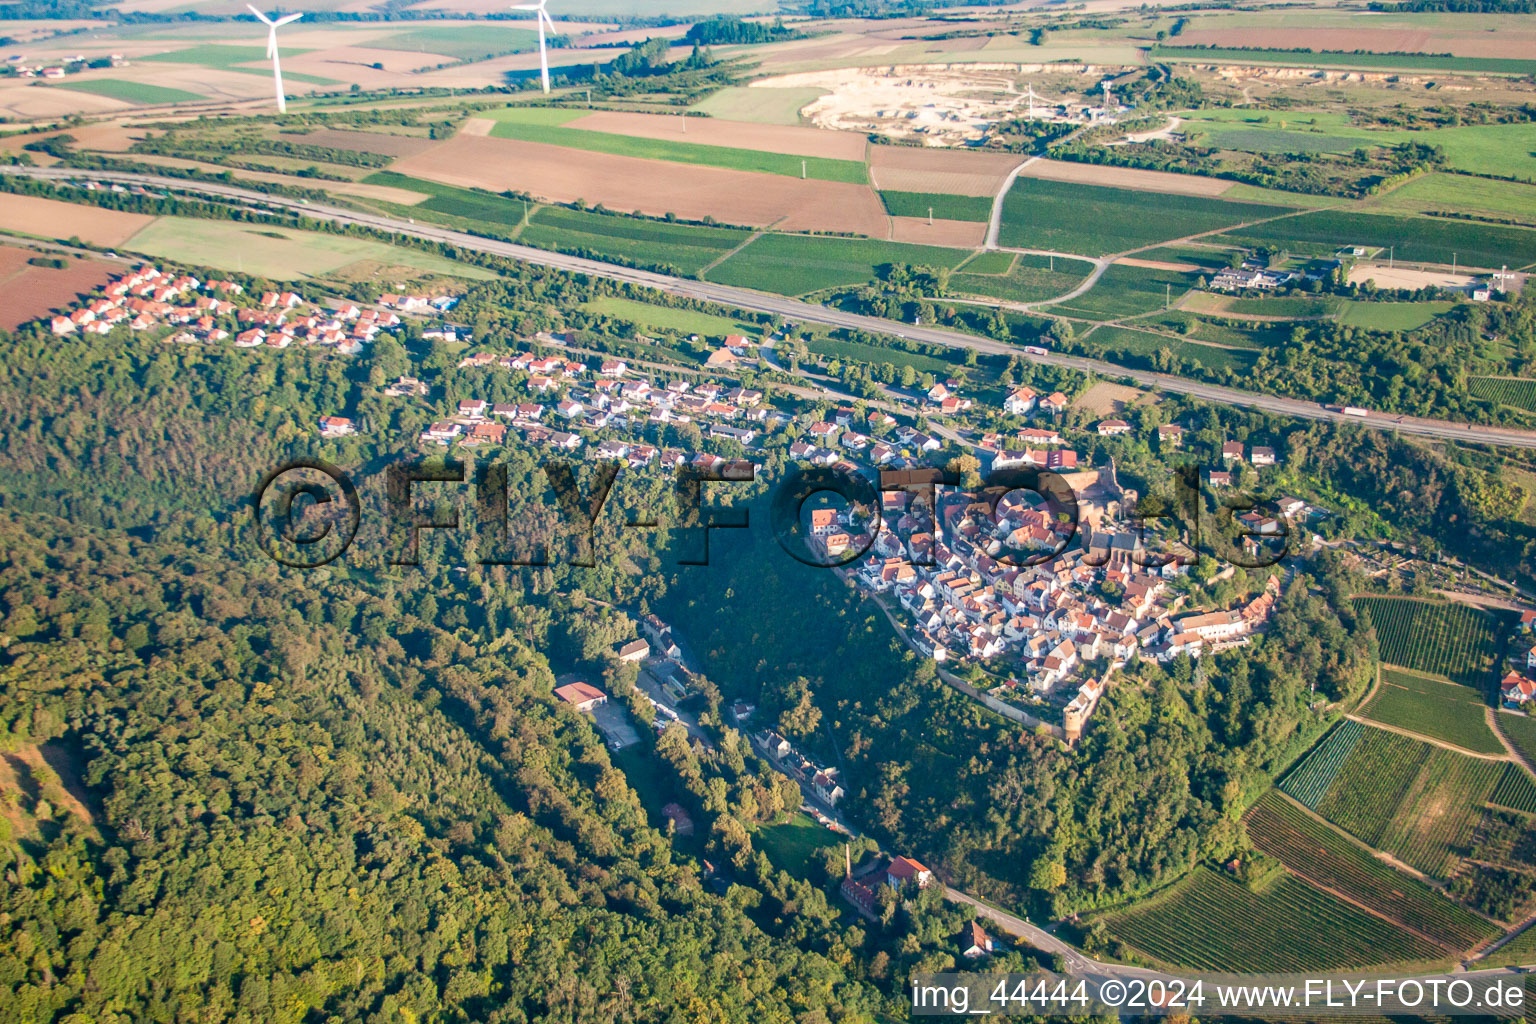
x,y
1076,961
793,309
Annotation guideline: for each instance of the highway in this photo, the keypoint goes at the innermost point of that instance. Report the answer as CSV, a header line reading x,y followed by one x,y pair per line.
x,y
806,312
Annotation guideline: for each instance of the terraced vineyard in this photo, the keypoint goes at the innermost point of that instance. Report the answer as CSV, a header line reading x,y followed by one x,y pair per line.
x,y
1310,781
1411,799
1317,853
1435,708
1214,923
1506,391
1439,638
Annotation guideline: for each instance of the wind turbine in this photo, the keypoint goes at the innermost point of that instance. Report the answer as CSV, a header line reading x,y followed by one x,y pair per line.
x,y
277,72
542,16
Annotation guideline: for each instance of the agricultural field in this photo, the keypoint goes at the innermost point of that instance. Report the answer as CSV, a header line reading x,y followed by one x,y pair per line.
x,y
141,93
1390,316
836,348
1094,221
461,42
760,106
800,264
687,247
1326,59
1520,393
281,254
1515,790
1411,799
1413,239
1435,637
1435,708
1028,279
1212,922
1130,345
1128,291
1460,193
1311,780
243,59
538,125
1519,730
1287,306
665,318
42,217
942,207
29,291
1321,855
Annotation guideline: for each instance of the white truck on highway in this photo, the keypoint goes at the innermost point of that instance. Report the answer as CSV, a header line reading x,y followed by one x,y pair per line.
x,y
1354,410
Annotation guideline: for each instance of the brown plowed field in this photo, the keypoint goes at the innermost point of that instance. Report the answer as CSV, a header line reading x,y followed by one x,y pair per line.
x,y
960,233
709,131
52,218
28,292
1126,177
952,171
655,187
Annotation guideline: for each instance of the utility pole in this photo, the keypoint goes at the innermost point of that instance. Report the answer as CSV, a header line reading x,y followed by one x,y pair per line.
x,y
802,170
525,213
1453,263
1167,295
1391,255
930,216
1052,258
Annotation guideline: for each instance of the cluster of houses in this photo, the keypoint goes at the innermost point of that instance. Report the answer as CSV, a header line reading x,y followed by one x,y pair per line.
x,y
147,298
1518,689
16,65
822,781
566,397
981,586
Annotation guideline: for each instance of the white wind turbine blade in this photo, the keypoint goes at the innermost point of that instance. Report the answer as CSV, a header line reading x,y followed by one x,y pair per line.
x,y
285,19
259,16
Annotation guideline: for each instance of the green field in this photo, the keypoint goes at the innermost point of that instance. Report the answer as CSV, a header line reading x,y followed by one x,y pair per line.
x,y
461,42
532,124
799,264
1434,708
1092,220
1295,306
281,254
1411,799
792,845
130,92
1390,316
1330,59
760,106
1438,638
1505,150
1127,291
1125,344
1030,279
1212,922
1519,393
687,247
666,318
1460,193
836,348
1311,780
235,58
989,261
1416,239
219,55
1311,849
944,207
